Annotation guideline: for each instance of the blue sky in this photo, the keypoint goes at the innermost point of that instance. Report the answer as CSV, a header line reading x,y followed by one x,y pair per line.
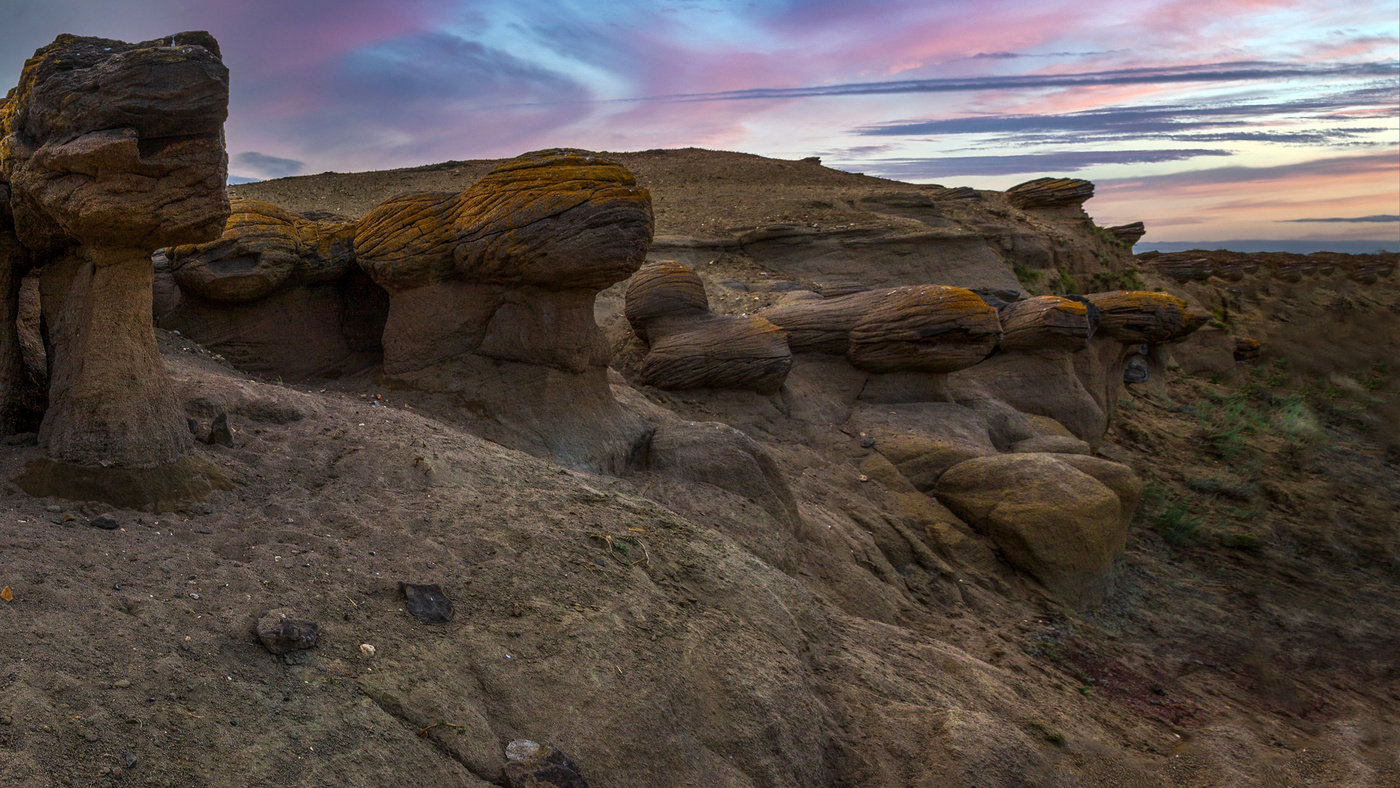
x,y
1207,119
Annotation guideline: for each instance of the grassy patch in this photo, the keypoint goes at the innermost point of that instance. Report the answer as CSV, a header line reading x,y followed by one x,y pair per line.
x,y
1173,519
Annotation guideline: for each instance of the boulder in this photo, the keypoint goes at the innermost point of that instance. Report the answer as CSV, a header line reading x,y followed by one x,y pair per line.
x,y
111,151
1051,444
691,347
1062,519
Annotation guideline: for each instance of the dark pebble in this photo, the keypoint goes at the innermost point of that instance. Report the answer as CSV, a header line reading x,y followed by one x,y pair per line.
x,y
282,632
106,522
128,759
427,603
219,432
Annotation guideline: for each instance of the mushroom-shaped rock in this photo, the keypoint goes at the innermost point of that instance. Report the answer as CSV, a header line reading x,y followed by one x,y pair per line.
x,y
112,150
1139,316
1047,322
277,294
691,347
1128,234
491,297
929,328
1061,518
1050,193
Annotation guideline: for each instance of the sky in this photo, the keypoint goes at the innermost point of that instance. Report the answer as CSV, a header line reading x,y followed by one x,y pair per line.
x,y
1206,119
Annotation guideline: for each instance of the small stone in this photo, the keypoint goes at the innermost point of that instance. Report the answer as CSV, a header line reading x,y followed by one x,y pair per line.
x,y
53,507
281,631
427,603
121,683
128,759
106,522
219,432
530,764
194,596
367,650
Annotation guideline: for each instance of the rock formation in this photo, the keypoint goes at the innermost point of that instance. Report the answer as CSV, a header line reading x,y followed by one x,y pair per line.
x,y
1050,193
1061,518
1066,359
491,297
929,328
691,347
1128,234
1047,323
1138,316
278,295
111,150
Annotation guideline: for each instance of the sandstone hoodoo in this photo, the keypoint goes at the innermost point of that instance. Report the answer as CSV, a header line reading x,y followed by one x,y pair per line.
x,y
1066,359
491,296
691,347
111,150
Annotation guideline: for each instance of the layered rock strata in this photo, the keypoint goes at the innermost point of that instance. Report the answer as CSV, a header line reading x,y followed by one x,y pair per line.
x,y
689,347
110,150
1050,193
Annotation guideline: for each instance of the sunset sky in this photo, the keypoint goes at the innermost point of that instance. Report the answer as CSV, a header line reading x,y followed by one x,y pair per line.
x,y
1227,119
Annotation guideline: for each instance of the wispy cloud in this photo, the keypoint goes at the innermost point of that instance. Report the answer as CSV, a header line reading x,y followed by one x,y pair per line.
x,y
1244,71
1382,218
265,166
1055,162
1330,168
1162,118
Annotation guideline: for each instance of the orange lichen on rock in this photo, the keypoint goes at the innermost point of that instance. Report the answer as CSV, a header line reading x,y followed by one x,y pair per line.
x,y
929,328
263,248
1046,322
1139,316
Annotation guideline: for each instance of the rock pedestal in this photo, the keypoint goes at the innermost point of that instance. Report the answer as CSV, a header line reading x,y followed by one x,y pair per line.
x,y
111,150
